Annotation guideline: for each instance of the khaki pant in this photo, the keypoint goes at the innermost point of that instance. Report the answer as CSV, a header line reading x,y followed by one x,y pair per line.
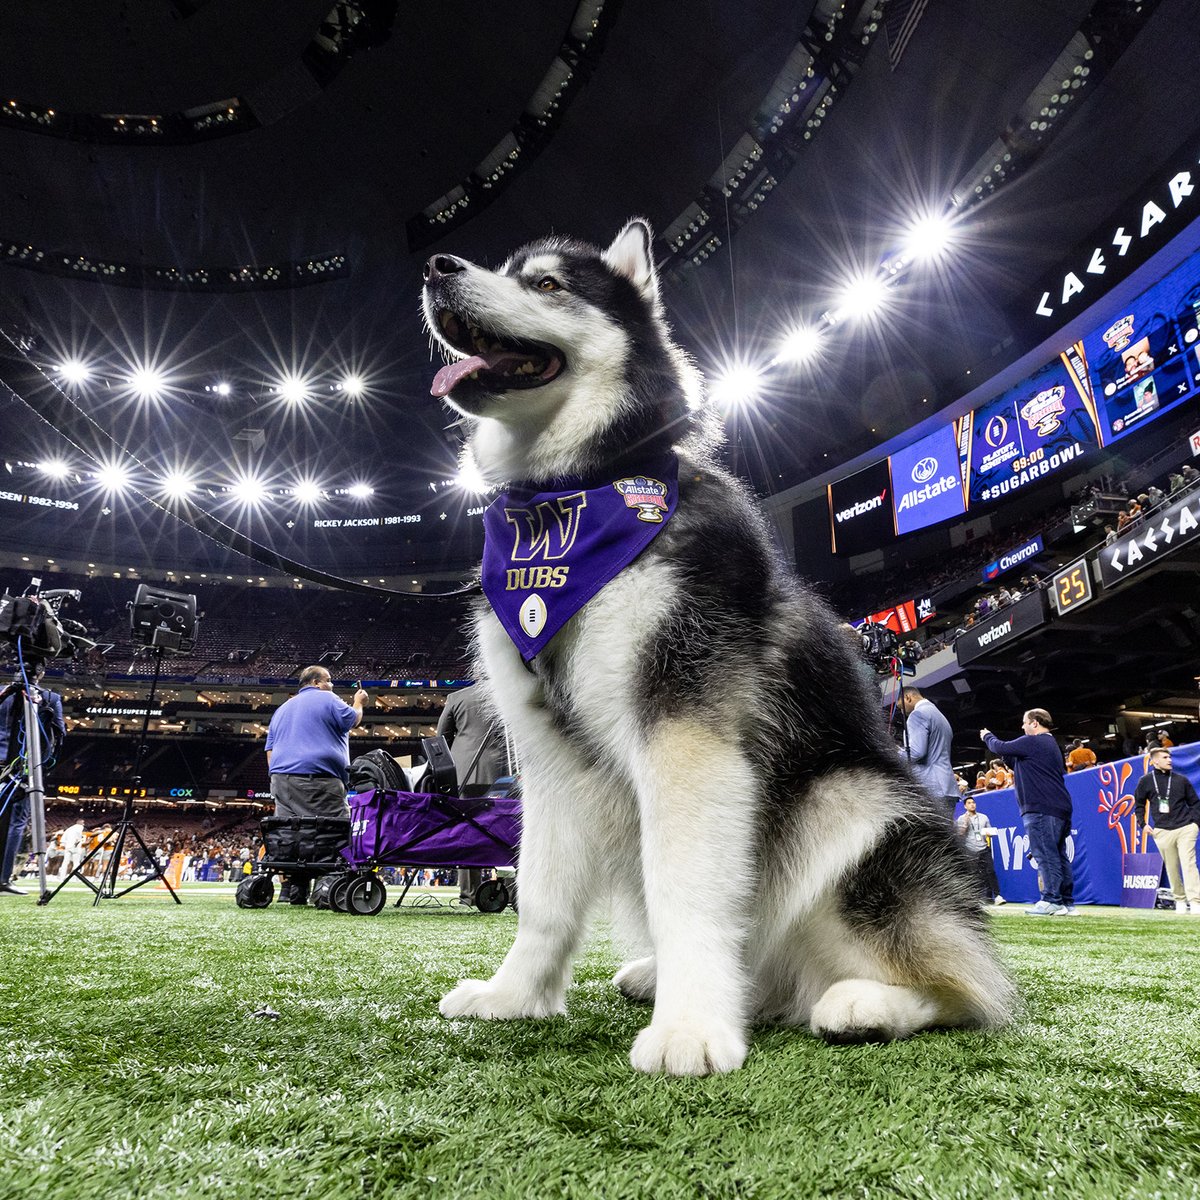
x,y
1178,848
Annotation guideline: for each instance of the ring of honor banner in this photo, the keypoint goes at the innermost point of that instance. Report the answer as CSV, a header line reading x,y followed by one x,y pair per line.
x,y
1103,847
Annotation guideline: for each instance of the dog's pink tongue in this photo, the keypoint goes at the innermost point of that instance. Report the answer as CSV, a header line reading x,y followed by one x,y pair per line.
x,y
445,381
449,377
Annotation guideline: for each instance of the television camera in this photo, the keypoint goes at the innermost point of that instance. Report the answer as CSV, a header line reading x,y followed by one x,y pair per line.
x,y
34,623
884,652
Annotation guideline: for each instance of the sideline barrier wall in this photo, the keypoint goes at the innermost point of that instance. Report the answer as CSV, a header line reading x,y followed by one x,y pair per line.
x,y
1101,828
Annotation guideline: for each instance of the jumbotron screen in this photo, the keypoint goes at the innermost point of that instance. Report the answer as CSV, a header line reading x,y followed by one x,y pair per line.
x,y
1136,364
1146,359
1025,434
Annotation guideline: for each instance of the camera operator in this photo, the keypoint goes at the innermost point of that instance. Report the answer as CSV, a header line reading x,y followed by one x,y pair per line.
x,y
14,800
308,754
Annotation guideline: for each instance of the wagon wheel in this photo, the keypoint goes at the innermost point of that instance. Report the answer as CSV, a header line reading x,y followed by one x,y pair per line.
x,y
255,891
322,889
365,895
492,896
337,893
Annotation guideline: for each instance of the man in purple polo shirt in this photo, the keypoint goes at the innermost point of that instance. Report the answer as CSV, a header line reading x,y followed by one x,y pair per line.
x,y
308,753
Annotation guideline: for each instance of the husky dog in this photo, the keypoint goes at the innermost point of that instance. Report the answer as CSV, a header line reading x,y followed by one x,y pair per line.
x,y
698,736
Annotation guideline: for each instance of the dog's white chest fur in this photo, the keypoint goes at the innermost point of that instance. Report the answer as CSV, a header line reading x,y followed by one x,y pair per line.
x,y
596,657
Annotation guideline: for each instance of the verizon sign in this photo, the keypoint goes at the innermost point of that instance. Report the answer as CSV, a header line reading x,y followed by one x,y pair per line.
x,y
860,511
1001,628
1159,537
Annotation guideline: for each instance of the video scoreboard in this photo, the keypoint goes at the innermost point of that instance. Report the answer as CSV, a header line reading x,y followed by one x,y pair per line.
x,y
1138,363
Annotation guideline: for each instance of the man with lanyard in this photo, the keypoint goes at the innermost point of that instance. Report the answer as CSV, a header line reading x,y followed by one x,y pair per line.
x,y
1171,801
308,754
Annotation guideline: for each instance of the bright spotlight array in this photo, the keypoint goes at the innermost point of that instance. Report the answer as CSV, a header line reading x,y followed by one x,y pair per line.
x,y
55,468
929,237
352,386
178,485
360,490
737,385
801,345
112,477
293,388
307,492
861,297
249,490
147,383
74,371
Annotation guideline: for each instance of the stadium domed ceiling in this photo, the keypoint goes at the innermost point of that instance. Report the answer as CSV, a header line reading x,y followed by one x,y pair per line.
x,y
233,193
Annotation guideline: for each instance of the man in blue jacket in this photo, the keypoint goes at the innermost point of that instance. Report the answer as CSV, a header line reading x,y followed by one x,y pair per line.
x,y
929,738
1045,804
14,800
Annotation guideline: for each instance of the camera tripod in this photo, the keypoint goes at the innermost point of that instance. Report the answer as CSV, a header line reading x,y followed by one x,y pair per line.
x,y
117,835
34,785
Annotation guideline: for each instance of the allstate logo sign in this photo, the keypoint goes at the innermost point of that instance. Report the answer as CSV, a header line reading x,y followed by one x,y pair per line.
x,y
925,470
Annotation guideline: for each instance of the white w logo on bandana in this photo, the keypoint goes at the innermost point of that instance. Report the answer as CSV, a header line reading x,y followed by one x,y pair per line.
x,y
550,520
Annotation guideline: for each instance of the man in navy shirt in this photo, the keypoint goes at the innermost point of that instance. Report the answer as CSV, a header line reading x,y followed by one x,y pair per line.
x,y
14,816
1045,804
308,753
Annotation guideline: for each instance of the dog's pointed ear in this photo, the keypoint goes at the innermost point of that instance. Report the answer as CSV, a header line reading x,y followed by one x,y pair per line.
x,y
631,255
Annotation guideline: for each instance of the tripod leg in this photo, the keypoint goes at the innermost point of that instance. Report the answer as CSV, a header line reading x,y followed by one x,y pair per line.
x,y
77,873
155,873
108,878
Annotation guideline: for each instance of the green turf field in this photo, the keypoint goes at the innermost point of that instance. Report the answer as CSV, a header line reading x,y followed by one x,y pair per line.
x,y
132,1065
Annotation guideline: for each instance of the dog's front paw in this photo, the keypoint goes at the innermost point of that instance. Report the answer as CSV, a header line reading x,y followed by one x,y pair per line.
x,y
636,979
488,1000
864,1010
689,1047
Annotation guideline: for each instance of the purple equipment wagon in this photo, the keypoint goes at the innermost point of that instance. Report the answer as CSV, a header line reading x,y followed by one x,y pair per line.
x,y
415,830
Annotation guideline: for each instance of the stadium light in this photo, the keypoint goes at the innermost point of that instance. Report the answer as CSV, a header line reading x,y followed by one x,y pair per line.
x,y
148,383
222,388
800,345
55,468
861,297
360,491
74,371
112,477
352,386
293,389
738,384
929,237
470,479
307,491
249,490
177,485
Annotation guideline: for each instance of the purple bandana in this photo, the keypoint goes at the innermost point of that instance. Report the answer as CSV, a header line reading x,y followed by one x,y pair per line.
x,y
546,554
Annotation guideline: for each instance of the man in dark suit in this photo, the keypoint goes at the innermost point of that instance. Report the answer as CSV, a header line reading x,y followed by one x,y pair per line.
x,y
467,726
14,800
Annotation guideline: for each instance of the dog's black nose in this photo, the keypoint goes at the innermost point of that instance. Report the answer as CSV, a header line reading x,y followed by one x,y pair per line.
x,y
443,264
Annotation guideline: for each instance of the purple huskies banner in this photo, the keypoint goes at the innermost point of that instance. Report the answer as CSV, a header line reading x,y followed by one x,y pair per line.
x,y
1101,828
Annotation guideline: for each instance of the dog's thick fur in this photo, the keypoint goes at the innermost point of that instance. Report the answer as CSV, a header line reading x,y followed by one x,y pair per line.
x,y
699,737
